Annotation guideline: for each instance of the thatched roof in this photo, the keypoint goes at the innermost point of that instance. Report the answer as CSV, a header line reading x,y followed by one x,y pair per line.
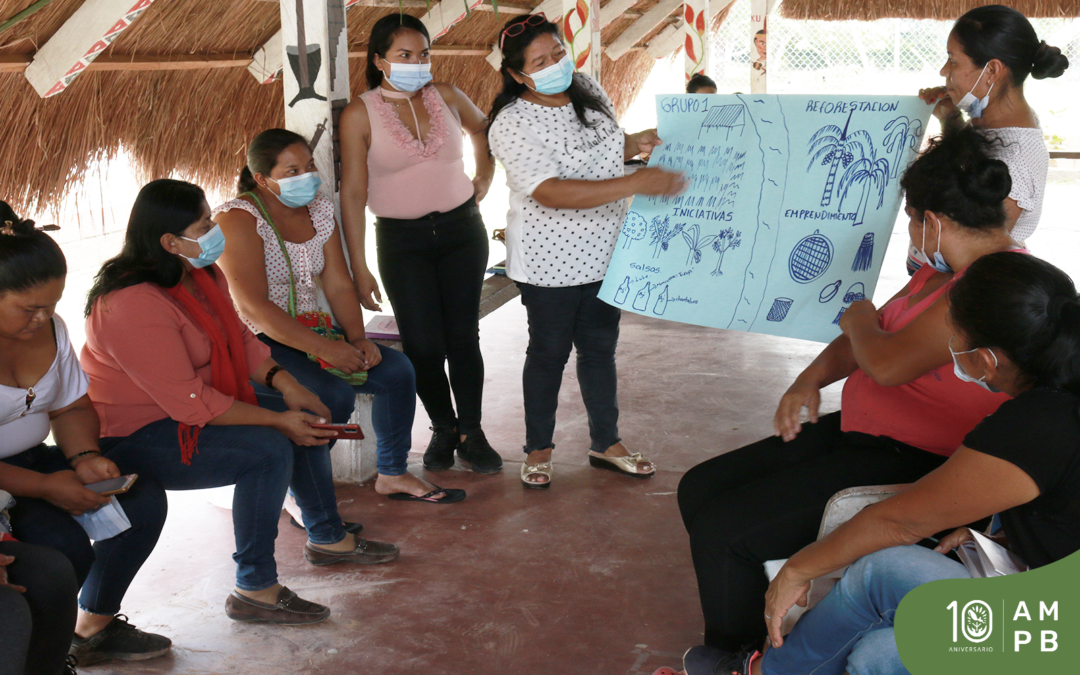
x,y
846,10
197,122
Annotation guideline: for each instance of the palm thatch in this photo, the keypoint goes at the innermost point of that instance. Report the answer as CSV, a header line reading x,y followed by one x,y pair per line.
x,y
197,123
845,10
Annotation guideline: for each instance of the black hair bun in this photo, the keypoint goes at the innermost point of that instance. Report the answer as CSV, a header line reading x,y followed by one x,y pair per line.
x,y
1048,62
986,182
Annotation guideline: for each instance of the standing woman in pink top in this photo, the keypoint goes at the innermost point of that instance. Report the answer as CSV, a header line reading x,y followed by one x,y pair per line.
x,y
401,157
903,411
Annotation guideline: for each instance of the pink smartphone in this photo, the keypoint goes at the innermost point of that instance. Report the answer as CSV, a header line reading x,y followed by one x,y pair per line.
x,y
345,431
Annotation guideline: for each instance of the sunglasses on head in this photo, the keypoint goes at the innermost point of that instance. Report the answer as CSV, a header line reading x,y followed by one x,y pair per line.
x,y
515,29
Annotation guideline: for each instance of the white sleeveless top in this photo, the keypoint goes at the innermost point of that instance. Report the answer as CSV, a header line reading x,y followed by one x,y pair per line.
x,y
307,257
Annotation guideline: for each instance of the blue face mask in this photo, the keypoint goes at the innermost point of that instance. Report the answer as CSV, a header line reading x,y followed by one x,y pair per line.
x,y
974,107
554,79
297,191
212,245
409,76
938,262
958,370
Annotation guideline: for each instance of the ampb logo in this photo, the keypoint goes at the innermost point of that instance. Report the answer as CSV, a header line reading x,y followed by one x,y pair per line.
x,y
975,622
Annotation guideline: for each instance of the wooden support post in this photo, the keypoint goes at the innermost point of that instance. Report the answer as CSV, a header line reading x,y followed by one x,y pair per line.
x,y
696,37
759,15
642,27
90,30
578,22
671,38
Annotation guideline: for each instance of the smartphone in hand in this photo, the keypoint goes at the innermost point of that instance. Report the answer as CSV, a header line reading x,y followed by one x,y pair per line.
x,y
345,431
113,486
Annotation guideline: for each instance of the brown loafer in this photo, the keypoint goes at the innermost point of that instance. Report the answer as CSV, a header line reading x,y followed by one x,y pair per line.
x,y
366,553
289,610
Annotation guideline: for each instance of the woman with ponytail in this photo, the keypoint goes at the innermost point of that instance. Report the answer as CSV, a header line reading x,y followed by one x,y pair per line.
x,y
903,410
402,158
991,52
1015,328
555,132
171,369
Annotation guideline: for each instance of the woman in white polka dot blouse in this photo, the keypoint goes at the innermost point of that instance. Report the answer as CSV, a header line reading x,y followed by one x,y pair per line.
x,y
555,133
991,51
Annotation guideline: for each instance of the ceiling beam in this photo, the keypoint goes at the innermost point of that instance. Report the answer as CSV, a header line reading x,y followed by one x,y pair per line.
x,y
671,38
83,37
13,63
636,31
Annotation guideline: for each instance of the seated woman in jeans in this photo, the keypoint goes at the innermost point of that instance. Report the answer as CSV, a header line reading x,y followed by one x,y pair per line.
x,y
281,241
169,364
903,412
1015,328
43,389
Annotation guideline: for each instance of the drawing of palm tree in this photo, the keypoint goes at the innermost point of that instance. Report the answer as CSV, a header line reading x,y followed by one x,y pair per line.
x,y
870,172
725,241
903,134
692,237
835,147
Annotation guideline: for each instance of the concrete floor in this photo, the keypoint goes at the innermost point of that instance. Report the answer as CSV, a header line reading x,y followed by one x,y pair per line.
x,y
590,577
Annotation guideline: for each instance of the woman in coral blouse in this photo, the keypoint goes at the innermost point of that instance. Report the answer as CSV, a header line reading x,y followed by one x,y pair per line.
x,y
169,363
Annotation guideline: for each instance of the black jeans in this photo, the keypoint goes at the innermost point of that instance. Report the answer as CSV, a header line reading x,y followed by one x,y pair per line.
x,y
433,268
558,319
765,502
105,569
36,626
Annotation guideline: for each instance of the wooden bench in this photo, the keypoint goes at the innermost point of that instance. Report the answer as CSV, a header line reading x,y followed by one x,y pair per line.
x,y
354,461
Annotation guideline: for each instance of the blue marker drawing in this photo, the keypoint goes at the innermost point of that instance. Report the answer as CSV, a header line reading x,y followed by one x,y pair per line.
x,y
827,293
779,310
661,302
864,257
641,300
836,321
634,228
810,257
870,172
903,135
725,117
833,146
855,293
623,292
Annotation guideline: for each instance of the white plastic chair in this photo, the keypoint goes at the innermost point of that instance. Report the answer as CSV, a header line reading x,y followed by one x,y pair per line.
x,y
841,507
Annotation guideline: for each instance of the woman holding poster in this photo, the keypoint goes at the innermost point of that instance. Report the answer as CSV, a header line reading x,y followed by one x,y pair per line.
x,y
903,411
555,133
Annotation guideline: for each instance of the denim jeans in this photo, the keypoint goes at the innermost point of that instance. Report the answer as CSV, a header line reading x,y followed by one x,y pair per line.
x,y
105,568
432,270
392,382
561,318
262,463
851,630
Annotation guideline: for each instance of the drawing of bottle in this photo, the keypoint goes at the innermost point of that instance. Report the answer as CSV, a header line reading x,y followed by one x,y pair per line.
x,y
661,303
623,291
641,300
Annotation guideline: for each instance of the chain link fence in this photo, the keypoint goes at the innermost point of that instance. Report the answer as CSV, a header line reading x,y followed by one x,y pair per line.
x,y
883,57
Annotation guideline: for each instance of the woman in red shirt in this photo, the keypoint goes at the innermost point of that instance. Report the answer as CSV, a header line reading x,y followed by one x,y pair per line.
x,y
169,363
903,411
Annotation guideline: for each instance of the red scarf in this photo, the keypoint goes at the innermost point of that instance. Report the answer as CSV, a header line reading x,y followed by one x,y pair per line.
x,y
228,360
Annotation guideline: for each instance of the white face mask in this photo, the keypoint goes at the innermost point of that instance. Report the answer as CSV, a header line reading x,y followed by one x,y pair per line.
x,y
958,370
975,107
938,261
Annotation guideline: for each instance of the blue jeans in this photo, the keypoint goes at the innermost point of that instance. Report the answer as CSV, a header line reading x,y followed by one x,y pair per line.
x,y
262,463
103,569
561,318
851,630
393,383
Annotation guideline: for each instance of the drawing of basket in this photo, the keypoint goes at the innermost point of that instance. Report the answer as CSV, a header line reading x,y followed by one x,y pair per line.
x,y
810,258
779,309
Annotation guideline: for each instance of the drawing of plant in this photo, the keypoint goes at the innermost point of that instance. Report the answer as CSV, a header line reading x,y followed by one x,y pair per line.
x,y
634,228
869,172
662,233
696,242
724,242
835,147
903,134
695,45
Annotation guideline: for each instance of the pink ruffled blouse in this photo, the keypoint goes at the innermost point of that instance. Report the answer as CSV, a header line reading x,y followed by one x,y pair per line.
x,y
409,178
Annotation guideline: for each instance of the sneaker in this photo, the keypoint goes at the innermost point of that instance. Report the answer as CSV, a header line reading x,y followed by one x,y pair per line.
x,y
479,454
702,660
120,641
439,455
